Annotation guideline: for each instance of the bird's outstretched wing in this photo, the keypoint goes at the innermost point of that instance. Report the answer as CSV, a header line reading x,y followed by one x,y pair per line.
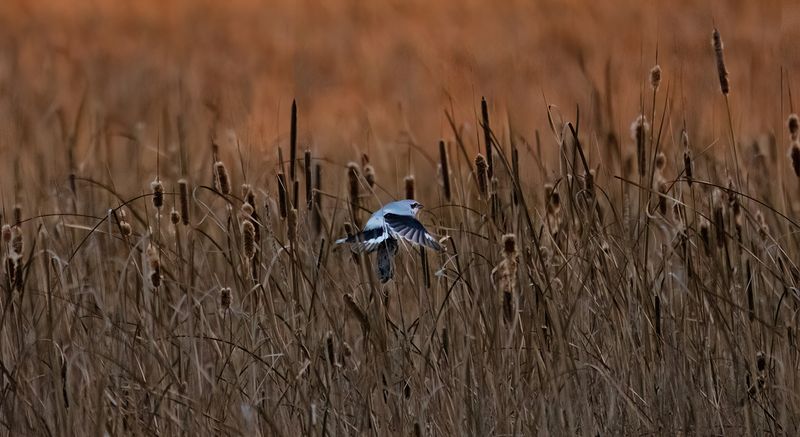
x,y
369,240
410,229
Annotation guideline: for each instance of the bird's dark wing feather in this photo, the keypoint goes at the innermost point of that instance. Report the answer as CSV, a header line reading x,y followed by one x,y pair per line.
x,y
410,229
369,240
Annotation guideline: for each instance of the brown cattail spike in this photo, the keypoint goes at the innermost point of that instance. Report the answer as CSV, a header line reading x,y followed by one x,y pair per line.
x,y
225,298
291,224
639,130
716,41
687,158
221,179
248,238
655,77
794,154
369,175
158,193
183,200
445,165
174,217
354,189
6,234
154,264
487,134
482,173
661,161
794,128
409,183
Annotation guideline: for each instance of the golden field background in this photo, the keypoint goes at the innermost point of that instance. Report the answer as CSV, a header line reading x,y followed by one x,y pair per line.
x,y
629,304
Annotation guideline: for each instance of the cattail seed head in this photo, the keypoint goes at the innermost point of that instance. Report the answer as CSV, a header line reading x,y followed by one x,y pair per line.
x,y
445,167
369,175
705,234
225,298
17,243
354,188
158,193
794,127
17,214
247,210
687,158
719,217
509,245
248,195
409,183
221,179
248,238
761,222
552,199
154,264
481,167
174,217
330,349
183,200
125,229
794,155
6,233
662,187
661,161
716,41
639,129
655,77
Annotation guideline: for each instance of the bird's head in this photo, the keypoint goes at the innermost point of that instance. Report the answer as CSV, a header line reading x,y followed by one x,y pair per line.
x,y
410,207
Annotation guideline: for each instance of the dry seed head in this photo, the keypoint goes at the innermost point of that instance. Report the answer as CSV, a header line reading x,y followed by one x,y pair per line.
x,y
705,235
661,161
445,169
369,175
174,216
248,195
662,187
716,41
154,263
509,245
247,209
18,214
639,129
17,243
158,193
6,233
329,346
283,196
225,298
183,200
221,179
761,222
125,229
655,77
719,217
794,127
409,182
248,238
481,167
794,154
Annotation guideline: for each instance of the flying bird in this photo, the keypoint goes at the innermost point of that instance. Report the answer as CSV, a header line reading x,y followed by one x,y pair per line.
x,y
395,221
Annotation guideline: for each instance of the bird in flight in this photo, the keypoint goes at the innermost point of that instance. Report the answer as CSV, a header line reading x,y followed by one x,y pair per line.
x,y
395,221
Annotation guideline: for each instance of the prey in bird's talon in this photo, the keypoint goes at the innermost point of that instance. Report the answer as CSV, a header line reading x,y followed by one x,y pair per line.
x,y
395,221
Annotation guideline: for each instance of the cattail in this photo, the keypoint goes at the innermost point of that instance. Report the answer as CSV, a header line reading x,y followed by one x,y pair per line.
x,y
661,161
295,193
125,229
353,184
794,128
183,200
6,234
409,184
222,180
553,199
794,154
291,224
282,195
154,263
481,167
705,235
719,218
17,214
174,217
716,40
158,193
515,169
369,175
506,272
248,238
445,165
309,186
17,243
639,130
11,271
487,134
687,158
662,187
655,77
225,298
329,347
761,222
494,199
293,143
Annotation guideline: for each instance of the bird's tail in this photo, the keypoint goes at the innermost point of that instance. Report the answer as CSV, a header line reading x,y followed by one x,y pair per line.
x,y
385,265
